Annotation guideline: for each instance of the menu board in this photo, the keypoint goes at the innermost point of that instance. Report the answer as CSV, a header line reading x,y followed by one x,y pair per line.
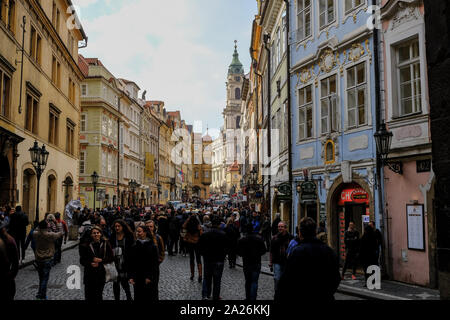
x,y
416,228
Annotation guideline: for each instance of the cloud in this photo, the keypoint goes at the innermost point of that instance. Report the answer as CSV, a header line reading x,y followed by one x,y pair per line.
x,y
172,49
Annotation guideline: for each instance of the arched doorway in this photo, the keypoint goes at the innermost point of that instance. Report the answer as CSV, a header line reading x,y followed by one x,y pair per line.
x,y
51,194
29,182
68,190
5,181
347,202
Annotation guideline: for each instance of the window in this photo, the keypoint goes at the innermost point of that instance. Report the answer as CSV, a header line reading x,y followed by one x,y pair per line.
x,y
326,12
329,152
82,162
70,42
303,19
206,174
71,91
356,96
237,93
31,114
352,4
53,125
305,119
8,13
196,174
70,128
84,90
5,94
57,20
56,72
104,125
104,162
408,71
54,14
278,46
109,156
83,122
328,108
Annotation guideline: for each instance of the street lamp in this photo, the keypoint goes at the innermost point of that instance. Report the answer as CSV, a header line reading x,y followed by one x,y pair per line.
x,y
94,177
39,158
383,139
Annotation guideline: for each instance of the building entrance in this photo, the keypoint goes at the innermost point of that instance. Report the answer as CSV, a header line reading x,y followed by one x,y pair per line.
x,y
352,206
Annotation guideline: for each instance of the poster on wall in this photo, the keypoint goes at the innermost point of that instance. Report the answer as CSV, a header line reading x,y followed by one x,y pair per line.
x,y
416,228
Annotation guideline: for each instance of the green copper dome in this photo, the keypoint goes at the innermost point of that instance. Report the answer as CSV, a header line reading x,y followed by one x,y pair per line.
x,y
236,66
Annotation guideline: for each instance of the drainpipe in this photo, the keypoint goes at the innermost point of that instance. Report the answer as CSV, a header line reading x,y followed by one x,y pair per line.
x,y
288,74
384,226
118,156
269,110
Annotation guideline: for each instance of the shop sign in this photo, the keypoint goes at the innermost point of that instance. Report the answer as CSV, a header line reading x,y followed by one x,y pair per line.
x,y
354,195
309,191
284,192
89,189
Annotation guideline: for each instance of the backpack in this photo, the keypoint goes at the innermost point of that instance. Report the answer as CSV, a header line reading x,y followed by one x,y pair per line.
x,y
292,245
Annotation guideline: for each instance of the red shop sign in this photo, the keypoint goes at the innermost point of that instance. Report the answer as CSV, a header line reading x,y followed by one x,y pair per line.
x,y
353,195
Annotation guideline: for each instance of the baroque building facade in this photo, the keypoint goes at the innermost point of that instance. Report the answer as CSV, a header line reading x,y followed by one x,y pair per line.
x,y
41,105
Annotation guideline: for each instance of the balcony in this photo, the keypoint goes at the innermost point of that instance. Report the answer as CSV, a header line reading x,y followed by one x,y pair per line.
x,y
206,181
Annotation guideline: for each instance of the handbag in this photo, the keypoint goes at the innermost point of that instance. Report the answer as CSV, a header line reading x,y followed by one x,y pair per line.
x,y
111,273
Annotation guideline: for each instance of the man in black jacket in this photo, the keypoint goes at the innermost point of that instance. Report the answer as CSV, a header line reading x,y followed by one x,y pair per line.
x,y
213,246
312,270
351,240
18,222
251,247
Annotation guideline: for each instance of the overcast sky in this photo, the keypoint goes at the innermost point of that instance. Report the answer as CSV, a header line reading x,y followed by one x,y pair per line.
x,y
178,50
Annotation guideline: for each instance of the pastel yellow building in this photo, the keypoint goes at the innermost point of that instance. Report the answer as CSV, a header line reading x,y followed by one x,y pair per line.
x,y
43,105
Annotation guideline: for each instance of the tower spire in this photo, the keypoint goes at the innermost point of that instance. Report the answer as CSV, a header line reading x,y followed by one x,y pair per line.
x,y
236,66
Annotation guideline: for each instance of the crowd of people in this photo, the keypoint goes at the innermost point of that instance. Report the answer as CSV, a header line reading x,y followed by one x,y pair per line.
x,y
126,246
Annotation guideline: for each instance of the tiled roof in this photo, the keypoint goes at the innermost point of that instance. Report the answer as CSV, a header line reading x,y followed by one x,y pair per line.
x,y
83,64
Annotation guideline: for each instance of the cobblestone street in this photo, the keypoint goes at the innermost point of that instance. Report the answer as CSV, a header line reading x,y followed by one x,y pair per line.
x,y
174,282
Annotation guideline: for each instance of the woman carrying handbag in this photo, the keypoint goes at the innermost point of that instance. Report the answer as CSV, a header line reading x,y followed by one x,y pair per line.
x,y
95,254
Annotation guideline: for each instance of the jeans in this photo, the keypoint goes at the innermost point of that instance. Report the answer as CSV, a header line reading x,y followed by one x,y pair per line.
x,y
212,277
251,274
278,270
44,268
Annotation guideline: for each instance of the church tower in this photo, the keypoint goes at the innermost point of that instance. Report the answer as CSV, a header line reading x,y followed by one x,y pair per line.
x,y
232,112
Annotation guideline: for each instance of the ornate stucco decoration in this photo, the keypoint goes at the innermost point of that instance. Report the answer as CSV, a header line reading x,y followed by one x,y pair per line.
x,y
306,75
405,14
327,61
368,50
356,52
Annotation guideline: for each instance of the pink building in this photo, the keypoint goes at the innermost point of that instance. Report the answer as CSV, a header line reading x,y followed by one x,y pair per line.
x,y
409,179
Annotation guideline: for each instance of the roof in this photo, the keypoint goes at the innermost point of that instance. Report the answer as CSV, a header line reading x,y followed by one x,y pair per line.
x,y
129,82
236,65
175,114
83,65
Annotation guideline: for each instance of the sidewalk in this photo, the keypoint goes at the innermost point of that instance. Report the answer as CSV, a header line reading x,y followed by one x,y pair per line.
x,y
390,290
29,254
